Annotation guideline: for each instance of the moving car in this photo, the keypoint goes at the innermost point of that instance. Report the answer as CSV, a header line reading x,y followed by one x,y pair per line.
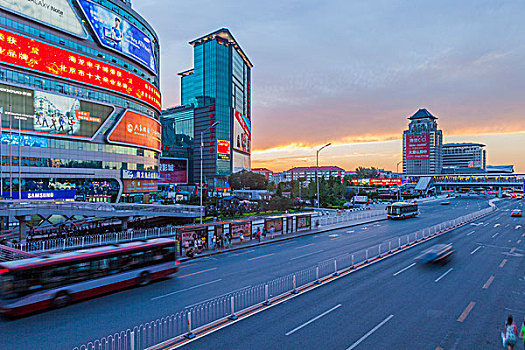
x,y
434,254
515,212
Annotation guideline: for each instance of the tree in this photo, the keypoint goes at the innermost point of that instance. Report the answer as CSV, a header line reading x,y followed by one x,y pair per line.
x,y
247,180
366,173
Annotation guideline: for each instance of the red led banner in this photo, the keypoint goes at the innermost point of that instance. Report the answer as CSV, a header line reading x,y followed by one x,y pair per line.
x,y
418,147
27,53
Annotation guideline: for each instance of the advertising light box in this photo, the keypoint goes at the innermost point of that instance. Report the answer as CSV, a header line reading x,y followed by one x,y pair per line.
x,y
135,129
116,33
173,171
45,113
20,51
55,13
223,149
418,147
242,133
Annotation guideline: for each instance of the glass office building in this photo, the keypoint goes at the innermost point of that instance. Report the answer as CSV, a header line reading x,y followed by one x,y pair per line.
x,y
218,88
79,101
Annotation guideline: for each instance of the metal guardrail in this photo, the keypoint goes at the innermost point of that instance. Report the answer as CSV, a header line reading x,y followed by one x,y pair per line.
x,y
9,253
191,319
131,235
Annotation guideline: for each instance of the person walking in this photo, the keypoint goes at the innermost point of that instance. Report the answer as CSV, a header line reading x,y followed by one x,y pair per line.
x,y
241,237
509,336
522,333
258,234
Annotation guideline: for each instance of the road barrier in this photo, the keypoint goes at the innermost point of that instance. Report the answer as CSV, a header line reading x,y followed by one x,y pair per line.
x,y
201,317
134,235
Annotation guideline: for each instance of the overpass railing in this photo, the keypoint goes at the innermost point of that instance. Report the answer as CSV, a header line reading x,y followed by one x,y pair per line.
x,y
79,242
185,322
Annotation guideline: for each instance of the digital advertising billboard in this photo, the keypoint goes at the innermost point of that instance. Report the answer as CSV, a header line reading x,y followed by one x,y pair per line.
x,y
44,113
135,186
116,33
55,13
135,129
417,147
173,171
19,51
223,149
242,133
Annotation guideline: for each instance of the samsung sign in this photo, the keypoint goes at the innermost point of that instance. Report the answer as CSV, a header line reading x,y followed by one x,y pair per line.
x,y
65,194
55,13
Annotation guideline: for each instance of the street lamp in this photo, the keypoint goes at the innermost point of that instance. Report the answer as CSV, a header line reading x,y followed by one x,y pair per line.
x,y
397,167
316,171
200,184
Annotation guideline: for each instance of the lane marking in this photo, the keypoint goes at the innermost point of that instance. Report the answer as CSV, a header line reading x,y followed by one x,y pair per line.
x,y
471,232
305,255
443,275
313,320
259,257
370,332
333,239
513,250
196,273
186,289
278,245
475,250
351,231
494,235
503,263
249,251
518,241
182,266
489,282
518,227
304,246
402,270
467,310
496,225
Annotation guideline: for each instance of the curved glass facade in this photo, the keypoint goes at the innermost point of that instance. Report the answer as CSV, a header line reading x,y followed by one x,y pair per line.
x,y
60,116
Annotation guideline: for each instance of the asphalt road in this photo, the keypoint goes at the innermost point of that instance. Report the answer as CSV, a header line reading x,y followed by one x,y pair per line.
x,y
205,278
394,304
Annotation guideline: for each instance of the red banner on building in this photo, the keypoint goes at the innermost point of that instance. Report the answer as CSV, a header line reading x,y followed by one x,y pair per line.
x,y
23,52
135,129
417,147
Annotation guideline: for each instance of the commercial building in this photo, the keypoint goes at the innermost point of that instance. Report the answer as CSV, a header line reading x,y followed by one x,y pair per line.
x,y
80,101
422,145
268,174
308,174
217,89
461,158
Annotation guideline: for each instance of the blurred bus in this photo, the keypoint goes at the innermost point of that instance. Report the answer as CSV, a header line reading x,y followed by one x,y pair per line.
x,y
402,210
56,280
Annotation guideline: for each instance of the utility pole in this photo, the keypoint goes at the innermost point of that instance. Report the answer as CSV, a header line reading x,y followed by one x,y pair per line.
x,y
317,169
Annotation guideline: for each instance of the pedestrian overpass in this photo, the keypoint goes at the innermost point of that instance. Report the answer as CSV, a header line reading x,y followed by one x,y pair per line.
x,y
457,182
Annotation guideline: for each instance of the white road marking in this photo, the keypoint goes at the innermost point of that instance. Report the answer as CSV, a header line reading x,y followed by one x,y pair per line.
x,y
475,250
186,289
402,270
494,235
313,319
518,227
351,231
249,251
305,255
471,232
443,275
370,332
496,225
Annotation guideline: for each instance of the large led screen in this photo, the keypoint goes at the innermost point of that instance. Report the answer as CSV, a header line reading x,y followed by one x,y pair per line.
x,y
27,53
242,133
54,13
45,113
117,33
135,129
418,147
173,171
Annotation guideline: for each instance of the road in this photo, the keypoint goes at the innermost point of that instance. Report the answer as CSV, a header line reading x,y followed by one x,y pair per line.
x,y
205,278
395,304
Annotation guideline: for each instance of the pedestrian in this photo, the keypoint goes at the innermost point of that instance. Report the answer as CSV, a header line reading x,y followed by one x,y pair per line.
x,y
264,232
259,235
509,336
241,236
522,333
213,241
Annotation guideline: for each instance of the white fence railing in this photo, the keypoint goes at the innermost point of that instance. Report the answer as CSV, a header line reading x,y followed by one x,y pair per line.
x,y
188,320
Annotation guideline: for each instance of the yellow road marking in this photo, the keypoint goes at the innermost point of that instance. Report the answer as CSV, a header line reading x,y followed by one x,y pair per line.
x,y
196,273
180,267
259,257
513,249
488,283
503,263
467,310
519,241
304,246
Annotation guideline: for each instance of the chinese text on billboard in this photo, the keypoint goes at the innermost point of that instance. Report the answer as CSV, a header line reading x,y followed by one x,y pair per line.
x,y
223,149
173,171
417,147
135,129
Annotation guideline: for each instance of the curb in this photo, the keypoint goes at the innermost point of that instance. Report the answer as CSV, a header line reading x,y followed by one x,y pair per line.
x,y
270,241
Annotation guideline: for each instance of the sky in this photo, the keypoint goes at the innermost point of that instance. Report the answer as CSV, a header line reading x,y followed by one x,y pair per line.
x,y
352,72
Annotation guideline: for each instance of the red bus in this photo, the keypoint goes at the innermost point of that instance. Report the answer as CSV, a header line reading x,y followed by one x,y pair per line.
x,y
54,281
402,210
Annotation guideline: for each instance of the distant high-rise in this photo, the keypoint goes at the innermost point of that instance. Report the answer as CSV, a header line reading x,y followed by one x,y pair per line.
x,y
464,158
422,145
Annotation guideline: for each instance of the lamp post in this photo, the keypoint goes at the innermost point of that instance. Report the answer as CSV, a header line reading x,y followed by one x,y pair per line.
x,y
317,170
200,184
397,166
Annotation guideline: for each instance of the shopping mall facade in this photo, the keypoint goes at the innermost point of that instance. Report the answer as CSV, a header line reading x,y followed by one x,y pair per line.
x,y
80,101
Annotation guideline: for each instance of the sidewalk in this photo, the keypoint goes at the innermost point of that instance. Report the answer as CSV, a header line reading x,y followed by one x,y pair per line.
x,y
279,237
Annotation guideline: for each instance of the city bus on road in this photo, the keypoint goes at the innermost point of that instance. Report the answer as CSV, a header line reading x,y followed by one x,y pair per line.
x,y
402,210
54,281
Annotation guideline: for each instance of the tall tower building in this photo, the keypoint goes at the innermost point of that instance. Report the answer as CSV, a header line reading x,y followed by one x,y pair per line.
x,y
422,145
